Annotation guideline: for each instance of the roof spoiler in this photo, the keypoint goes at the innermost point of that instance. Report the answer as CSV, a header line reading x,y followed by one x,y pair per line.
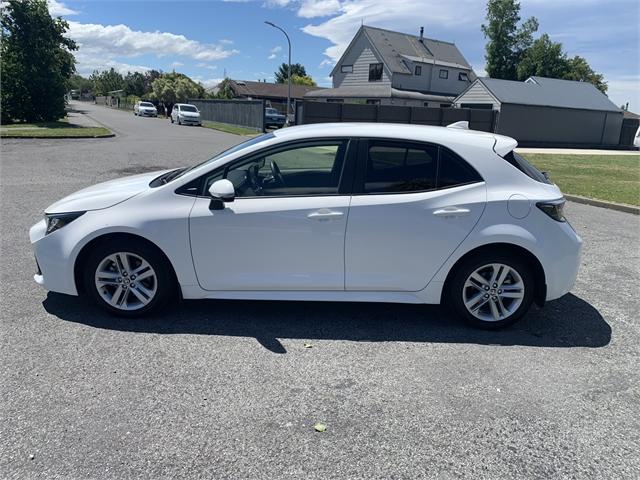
x,y
463,125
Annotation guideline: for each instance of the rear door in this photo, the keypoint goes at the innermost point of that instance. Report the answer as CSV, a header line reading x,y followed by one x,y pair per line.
x,y
413,204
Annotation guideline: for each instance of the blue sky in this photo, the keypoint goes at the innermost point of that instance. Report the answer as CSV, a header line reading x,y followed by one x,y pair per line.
x,y
206,39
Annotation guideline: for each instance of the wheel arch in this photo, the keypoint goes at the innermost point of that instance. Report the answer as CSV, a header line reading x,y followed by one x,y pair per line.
x,y
83,254
502,247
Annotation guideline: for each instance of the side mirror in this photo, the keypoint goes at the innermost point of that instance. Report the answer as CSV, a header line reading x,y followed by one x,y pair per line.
x,y
221,191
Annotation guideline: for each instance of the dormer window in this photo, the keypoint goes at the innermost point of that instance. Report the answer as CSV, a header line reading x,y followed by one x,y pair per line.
x,y
418,70
375,72
346,68
463,77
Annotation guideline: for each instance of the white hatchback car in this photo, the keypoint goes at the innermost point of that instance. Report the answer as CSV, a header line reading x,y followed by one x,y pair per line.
x,y
185,114
337,212
145,109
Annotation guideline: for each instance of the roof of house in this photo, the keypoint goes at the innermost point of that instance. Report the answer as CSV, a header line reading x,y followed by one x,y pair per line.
x,y
376,91
395,47
246,88
549,92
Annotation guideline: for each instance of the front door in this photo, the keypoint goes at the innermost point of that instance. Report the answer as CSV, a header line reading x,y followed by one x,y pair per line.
x,y
285,229
414,205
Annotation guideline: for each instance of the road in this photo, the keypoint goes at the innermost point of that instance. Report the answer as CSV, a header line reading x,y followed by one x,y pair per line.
x,y
227,389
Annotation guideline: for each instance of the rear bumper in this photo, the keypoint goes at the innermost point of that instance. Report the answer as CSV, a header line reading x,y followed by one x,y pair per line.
x,y
561,265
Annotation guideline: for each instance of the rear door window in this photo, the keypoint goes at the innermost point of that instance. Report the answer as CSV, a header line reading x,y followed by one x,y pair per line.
x,y
398,167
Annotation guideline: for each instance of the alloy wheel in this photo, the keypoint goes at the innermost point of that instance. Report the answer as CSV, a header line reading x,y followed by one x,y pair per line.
x,y
493,292
126,281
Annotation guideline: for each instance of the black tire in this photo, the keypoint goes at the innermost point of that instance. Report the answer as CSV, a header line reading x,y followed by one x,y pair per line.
x,y
456,287
165,285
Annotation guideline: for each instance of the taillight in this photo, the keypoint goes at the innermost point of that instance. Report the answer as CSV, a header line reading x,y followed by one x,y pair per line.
x,y
554,209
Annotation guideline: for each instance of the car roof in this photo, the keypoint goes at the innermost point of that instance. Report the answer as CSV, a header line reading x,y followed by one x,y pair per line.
x,y
423,133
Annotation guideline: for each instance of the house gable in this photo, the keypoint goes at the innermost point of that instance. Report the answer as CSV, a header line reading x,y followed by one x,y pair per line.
x,y
358,56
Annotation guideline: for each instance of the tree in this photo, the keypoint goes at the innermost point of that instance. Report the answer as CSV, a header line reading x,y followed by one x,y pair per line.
x,y
36,62
175,87
224,90
283,72
507,42
135,83
78,82
544,58
302,80
106,81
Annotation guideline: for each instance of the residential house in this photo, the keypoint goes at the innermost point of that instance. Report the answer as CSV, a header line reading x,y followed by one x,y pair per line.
x,y
393,68
547,111
274,94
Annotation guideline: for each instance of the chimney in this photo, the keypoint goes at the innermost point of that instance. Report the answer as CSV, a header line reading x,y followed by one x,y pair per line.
x,y
421,34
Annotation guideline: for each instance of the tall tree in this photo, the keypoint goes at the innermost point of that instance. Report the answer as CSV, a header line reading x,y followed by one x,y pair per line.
x,y
282,74
78,82
580,70
106,81
135,83
36,62
175,87
306,80
507,41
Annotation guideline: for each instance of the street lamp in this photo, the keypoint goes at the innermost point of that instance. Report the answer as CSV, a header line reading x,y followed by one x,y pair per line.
x,y
289,72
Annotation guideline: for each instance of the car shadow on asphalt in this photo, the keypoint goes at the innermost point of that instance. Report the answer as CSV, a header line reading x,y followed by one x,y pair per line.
x,y
567,322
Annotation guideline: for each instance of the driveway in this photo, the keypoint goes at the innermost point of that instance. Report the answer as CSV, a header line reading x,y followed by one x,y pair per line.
x,y
227,389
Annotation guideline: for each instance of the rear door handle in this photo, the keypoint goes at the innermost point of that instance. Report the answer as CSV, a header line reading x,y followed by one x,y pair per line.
x,y
325,214
452,212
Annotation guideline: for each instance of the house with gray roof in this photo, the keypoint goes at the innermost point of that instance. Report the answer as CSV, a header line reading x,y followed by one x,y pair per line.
x,y
393,68
547,111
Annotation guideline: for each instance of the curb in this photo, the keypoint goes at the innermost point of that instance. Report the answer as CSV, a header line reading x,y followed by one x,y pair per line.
x,y
602,204
45,137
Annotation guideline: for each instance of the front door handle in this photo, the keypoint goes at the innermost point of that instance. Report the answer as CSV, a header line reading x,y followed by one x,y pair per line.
x,y
325,214
452,212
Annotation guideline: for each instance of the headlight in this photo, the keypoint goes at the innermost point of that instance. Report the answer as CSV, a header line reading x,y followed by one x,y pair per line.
x,y
56,221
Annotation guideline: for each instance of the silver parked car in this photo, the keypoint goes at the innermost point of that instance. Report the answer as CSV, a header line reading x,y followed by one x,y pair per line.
x,y
185,114
145,109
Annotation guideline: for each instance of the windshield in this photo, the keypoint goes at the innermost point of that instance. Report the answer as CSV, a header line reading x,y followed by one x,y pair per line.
x,y
188,108
146,104
240,146
272,111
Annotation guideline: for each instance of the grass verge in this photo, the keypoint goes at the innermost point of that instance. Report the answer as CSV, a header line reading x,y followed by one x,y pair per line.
x,y
225,127
613,178
58,129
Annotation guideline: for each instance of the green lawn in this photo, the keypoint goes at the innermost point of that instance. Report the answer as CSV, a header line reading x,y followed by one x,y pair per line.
x,y
60,128
225,127
614,178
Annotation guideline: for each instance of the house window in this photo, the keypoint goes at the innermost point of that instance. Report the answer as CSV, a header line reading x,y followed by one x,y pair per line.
x,y
372,101
444,74
346,68
335,100
463,77
418,70
375,72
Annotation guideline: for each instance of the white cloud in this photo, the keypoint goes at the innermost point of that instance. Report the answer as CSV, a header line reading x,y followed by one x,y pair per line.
x,y
208,82
274,52
87,64
207,66
120,40
176,64
623,89
396,15
326,63
318,8
59,9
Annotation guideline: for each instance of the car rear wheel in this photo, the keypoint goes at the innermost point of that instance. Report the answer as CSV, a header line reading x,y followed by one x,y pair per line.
x,y
492,291
128,280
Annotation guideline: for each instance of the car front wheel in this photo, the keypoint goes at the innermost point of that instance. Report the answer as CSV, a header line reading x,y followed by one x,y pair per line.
x,y
492,291
128,280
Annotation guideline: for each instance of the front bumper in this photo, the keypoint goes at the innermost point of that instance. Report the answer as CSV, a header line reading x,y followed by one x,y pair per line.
x,y
149,113
190,121
52,252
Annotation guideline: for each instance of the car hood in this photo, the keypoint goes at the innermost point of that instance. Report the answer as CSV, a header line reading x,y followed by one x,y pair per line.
x,y
104,195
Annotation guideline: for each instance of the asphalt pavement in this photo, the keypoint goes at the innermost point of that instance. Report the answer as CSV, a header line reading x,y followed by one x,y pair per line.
x,y
228,389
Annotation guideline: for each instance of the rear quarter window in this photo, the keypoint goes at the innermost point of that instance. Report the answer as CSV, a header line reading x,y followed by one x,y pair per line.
x,y
525,167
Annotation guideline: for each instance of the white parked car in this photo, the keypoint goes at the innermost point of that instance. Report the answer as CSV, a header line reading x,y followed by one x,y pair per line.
x,y
185,114
145,109
337,212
